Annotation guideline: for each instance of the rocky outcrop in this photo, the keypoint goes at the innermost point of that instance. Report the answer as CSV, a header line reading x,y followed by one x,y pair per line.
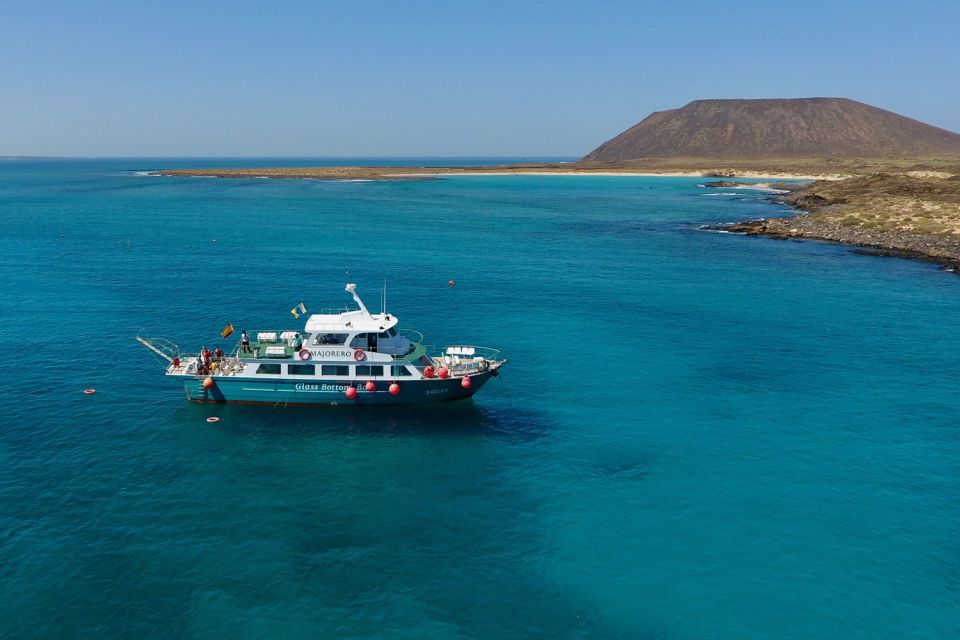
x,y
725,184
888,215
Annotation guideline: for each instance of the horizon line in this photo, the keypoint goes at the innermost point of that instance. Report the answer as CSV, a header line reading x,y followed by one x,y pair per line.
x,y
271,157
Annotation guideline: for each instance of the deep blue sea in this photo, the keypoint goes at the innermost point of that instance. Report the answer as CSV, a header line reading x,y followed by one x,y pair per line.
x,y
698,435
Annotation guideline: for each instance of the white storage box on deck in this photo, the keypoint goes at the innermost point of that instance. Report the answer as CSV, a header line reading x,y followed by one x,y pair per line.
x,y
265,336
288,336
276,352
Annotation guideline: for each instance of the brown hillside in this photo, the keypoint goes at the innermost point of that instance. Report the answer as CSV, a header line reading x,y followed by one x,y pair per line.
x,y
778,128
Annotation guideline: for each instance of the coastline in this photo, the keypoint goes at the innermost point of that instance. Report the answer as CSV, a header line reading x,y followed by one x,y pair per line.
x,y
433,173
913,246
914,215
900,208
628,173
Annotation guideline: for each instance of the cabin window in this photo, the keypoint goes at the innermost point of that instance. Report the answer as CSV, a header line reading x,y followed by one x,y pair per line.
x,y
392,332
366,341
271,369
330,338
301,369
400,371
368,370
335,370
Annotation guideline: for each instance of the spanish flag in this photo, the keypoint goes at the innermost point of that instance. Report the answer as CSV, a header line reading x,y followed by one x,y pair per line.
x,y
226,331
297,310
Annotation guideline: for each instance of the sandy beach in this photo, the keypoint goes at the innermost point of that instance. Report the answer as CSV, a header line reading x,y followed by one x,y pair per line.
x,y
626,173
427,173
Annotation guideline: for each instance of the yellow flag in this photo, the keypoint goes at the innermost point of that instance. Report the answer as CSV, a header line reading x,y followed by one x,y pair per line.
x,y
226,331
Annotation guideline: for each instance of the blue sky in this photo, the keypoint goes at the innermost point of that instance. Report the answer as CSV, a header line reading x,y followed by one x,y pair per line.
x,y
440,78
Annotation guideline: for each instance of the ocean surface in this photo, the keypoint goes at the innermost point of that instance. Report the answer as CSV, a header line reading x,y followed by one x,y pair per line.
x,y
698,435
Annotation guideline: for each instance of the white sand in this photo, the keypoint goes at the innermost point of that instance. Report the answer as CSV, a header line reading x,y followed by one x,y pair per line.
x,y
649,174
929,174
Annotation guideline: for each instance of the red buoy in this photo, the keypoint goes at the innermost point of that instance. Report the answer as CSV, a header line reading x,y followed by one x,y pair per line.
x,y
89,391
208,383
371,386
428,372
451,283
351,392
394,389
443,373
465,383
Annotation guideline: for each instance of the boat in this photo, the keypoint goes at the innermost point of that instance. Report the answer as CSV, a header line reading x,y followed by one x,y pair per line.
x,y
341,356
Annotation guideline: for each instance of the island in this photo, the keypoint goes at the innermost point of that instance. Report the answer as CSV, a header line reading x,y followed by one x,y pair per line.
x,y
529,169
878,180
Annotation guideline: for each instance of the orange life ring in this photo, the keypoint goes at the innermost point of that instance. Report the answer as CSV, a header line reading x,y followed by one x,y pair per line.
x,y
359,355
304,354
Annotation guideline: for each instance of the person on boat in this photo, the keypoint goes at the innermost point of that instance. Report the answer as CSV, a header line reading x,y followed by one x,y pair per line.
x,y
297,342
218,353
175,362
245,342
201,361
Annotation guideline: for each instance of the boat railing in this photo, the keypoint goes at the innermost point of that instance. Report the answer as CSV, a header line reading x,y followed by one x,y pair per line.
x,y
471,351
276,333
466,359
160,346
412,335
225,366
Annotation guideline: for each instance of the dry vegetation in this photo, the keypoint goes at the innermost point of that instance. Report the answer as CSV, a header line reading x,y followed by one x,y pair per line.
x,y
914,202
914,213
791,166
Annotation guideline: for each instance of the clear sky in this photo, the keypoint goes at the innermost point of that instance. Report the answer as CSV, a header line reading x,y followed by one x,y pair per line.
x,y
442,78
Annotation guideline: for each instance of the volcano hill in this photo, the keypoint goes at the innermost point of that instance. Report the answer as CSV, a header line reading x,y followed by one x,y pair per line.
x,y
795,130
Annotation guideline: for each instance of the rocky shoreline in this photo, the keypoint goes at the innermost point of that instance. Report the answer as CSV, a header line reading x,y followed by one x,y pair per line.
x,y
912,215
915,246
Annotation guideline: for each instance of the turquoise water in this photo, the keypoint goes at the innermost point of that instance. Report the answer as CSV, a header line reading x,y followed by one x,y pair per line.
x,y
698,435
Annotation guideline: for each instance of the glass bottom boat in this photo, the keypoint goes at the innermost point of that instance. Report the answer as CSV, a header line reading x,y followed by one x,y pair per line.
x,y
340,357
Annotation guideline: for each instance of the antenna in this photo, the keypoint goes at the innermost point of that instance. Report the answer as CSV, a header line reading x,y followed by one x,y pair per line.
x,y
383,307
